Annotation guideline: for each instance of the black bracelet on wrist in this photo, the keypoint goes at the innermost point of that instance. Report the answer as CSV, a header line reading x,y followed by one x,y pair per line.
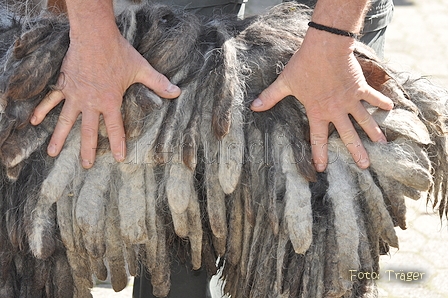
x,y
332,30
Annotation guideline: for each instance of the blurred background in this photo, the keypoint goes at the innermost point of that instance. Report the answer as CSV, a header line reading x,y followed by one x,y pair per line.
x,y
417,42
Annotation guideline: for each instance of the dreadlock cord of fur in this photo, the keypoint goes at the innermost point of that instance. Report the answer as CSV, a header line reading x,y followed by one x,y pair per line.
x,y
404,162
399,122
343,193
372,194
151,218
216,208
179,190
82,274
132,255
180,178
377,211
399,160
78,257
216,198
91,206
42,231
280,259
264,217
432,102
368,263
298,213
236,228
248,221
65,219
232,148
66,211
195,231
114,244
160,274
229,118
132,204
394,197
272,174
30,138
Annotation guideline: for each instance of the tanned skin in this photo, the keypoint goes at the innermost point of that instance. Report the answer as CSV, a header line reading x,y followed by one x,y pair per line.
x,y
323,75
97,69
326,78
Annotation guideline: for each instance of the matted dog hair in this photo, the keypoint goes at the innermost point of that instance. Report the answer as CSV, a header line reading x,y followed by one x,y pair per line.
x,y
205,177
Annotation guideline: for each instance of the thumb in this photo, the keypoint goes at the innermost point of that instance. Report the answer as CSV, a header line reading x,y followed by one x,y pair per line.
x,y
157,82
270,96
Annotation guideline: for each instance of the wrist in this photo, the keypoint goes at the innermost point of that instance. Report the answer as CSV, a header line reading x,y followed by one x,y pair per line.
x,y
333,30
328,44
91,19
346,15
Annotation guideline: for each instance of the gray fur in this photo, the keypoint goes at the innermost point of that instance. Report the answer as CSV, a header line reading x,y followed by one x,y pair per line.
x,y
90,210
298,214
114,243
204,168
132,204
343,193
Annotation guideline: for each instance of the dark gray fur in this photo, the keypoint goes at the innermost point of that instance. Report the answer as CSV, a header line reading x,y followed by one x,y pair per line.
x,y
177,181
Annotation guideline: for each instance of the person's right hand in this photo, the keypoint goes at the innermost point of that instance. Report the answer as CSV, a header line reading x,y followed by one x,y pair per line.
x,y
95,74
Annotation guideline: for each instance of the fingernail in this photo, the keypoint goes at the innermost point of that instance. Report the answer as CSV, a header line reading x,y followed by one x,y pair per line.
x,y
382,141
364,163
119,157
320,167
51,150
172,89
257,103
86,163
33,120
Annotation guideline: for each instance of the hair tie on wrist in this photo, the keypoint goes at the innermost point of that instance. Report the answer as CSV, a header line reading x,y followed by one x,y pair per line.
x,y
332,30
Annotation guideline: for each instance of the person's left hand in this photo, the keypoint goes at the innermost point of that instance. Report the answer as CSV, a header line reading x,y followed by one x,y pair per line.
x,y
326,78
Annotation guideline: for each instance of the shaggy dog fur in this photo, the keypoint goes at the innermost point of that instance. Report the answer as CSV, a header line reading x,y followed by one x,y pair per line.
x,y
205,176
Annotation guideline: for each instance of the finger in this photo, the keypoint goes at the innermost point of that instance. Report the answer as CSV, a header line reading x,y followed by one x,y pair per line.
x,y
270,96
350,138
65,123
89,138
368,124
157,82
377,99
319,144
52,99
116,134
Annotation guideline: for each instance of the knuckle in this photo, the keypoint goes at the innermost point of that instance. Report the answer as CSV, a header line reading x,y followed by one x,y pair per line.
x,y
87,130
159,81
365,120
54,97
319,142
360,93
115,131
39,113
348,136
319,138
267,97
65,120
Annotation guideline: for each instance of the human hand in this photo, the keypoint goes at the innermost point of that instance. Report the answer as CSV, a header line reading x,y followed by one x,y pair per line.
x,y
326,78
95,73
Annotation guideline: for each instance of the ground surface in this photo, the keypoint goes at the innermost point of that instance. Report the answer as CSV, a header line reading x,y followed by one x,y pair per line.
x,y
417,41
